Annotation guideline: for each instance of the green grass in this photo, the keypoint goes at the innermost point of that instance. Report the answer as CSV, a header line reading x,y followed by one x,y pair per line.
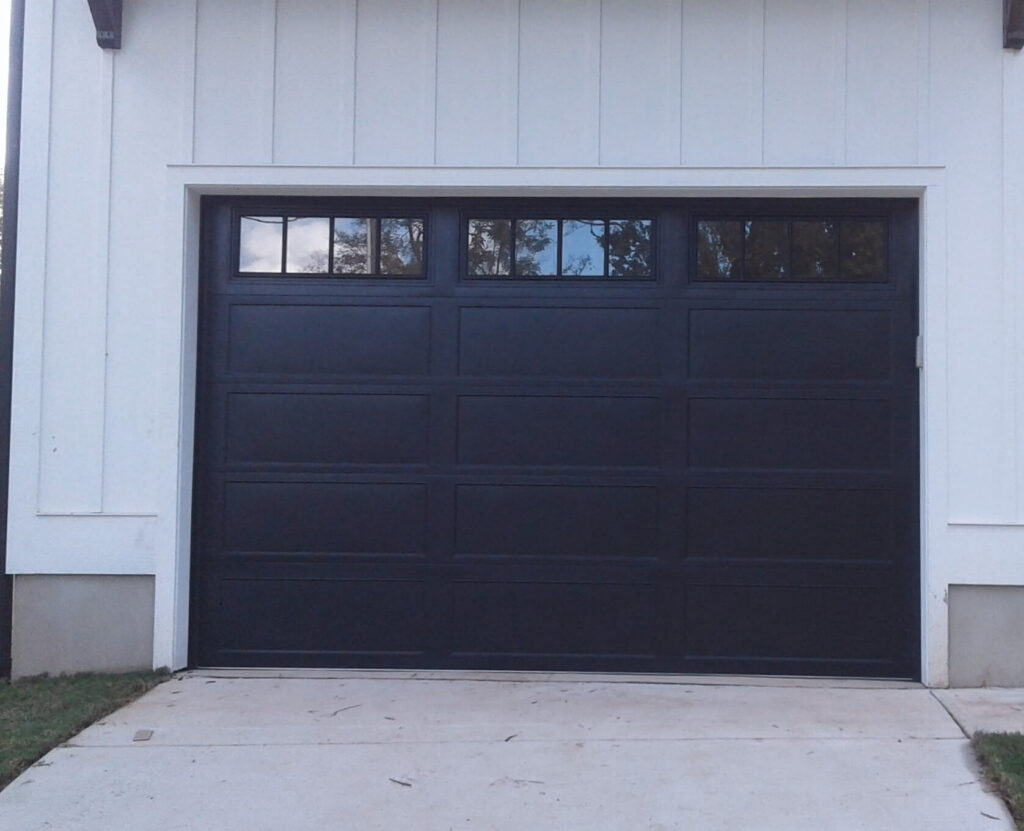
x,y
37,714
1002,758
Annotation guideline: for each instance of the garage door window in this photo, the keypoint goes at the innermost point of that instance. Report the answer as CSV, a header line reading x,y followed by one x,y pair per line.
x,y
500,248
810,250
340,246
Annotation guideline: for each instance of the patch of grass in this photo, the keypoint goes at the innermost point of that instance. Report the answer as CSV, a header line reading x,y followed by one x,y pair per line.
x,y
1002,758
37,714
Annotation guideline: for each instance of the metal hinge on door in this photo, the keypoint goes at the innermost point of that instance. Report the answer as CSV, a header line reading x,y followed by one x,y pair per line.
x,y
919,352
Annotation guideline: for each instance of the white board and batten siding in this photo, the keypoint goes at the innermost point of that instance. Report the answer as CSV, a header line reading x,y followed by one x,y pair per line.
x,y
482,87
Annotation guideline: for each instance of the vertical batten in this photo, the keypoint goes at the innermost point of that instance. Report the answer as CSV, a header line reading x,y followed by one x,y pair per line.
x,y
477,67
396,65
965,72
559,82
1013,253
315,73
805,59
234,111
722,82
882,83
74,323
640,82
30,288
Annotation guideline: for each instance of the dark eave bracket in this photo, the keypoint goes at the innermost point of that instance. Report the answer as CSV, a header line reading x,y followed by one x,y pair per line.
x,y
1013,24
106,14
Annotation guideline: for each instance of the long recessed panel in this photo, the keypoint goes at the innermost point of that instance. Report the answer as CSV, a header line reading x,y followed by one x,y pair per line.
x,y
559,430
554,619
322,428
791,524
329,340
791,622
556,521
268,617
805,345
791,434
325,517
559,343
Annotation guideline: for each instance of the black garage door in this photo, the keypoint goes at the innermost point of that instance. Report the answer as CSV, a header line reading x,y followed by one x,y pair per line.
x,y
663,435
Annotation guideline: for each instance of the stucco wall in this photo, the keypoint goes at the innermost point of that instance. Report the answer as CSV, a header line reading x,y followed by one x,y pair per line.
x,y
675,96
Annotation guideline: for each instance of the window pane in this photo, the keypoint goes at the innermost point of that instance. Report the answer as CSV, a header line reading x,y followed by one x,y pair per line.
x,y
863,251
815,250
583,247
536,247
401,246
490,247
766,251
260,244
354,246
307,245
629,247
720,250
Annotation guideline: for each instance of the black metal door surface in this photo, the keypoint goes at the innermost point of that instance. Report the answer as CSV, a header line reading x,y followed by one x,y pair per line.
x,y
643,435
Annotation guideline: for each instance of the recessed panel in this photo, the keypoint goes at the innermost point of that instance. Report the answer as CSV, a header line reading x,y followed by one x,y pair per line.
x,y
790,524
559,430
770,345
322,428
557,619
556,521
779,433
559,343
329,340
791,622
325,517
307,617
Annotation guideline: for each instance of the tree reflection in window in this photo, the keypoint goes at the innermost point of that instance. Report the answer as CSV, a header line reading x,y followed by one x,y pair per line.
x,y
551,248
798,250
388,247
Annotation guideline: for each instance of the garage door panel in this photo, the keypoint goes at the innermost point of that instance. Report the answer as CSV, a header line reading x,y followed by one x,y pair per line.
x,y
554,619
575,472
791,622
557,521
559,343
787,434
264,619
790,345
354,518
835,525
326,428
328,340
593,431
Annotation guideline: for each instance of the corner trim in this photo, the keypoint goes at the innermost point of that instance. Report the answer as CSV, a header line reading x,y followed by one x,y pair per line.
x,y
8,263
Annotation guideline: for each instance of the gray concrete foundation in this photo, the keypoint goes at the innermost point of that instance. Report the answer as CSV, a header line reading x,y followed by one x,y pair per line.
x,y
986,636
81,623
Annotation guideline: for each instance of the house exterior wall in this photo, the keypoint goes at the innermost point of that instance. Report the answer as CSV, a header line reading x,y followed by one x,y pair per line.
x,y
668,97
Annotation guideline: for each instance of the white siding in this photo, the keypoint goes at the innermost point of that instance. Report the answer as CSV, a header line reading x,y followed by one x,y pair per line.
x,y
640,82
966,116
494,94
559,82
477,62
804,75
723,88
396,64
75,281
313,82
234,81
882,83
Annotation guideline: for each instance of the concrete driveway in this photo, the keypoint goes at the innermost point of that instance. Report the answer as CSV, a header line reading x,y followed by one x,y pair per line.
x,y
429,751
